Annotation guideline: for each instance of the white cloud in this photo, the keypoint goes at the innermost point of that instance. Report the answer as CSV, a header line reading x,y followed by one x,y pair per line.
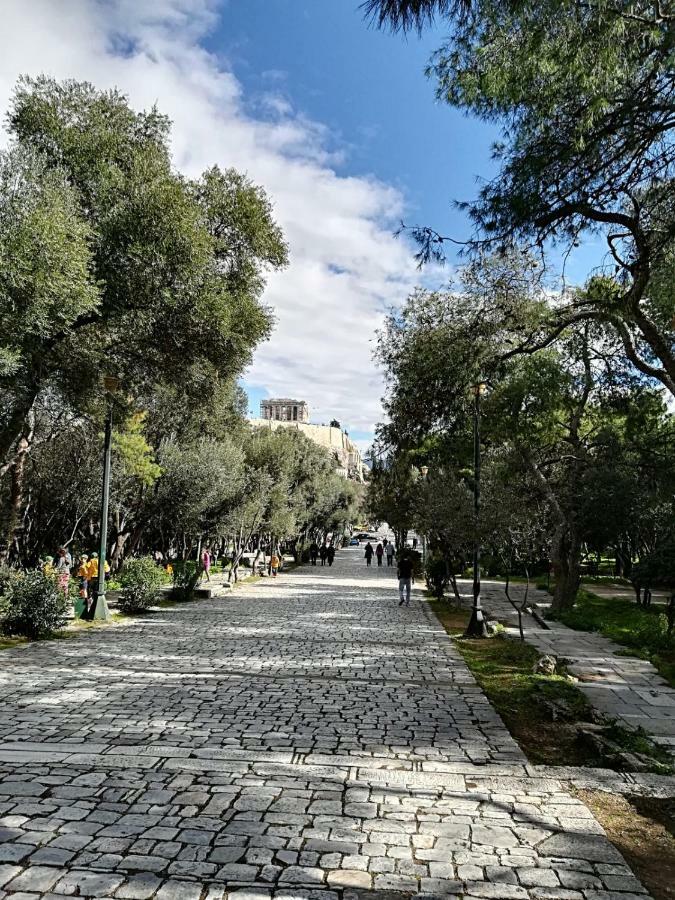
x,y
345,265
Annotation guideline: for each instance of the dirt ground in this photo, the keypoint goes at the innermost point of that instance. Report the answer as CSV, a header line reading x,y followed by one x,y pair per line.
x,y
643,830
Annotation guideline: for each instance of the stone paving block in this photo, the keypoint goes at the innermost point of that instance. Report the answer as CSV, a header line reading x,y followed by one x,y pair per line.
x,y
579,846
237,872
35,878
349,878
179,890
555,893
139,887
302,875
7,873
88,884
535,877
612,895
496,891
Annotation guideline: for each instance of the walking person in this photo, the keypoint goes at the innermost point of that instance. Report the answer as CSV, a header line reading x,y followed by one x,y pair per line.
x,y
405,575
330,554
379,552
82,571
390,554
206,563
313,552
63,566
274,564
323,553
369,553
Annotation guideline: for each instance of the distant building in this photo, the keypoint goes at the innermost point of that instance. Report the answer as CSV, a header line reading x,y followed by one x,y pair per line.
x,y
295,414
284,410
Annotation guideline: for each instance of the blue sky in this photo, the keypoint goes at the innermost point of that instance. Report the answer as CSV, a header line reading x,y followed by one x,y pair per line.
x,y
337,122
369,89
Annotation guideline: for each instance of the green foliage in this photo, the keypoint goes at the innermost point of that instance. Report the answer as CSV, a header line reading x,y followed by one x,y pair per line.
x,y
185,580
436,573
112,262
393,494
134,453
657,568
574,451
45,259
6,578
111,258
141,579
583,92
36,608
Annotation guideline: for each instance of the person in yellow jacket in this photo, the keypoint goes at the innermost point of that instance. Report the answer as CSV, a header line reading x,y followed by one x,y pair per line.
x,y
274,564
83,574
92,570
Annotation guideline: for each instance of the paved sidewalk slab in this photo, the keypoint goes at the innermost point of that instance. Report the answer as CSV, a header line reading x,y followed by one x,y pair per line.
x,y
623,687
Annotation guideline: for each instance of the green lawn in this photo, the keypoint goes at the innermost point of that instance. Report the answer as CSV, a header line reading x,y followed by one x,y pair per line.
x,y
641,631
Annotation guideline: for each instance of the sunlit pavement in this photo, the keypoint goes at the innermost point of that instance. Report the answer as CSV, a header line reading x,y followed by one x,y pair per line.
x,y
304,737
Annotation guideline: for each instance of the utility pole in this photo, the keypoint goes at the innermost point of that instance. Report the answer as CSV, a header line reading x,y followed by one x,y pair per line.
x,y
101,610
477,627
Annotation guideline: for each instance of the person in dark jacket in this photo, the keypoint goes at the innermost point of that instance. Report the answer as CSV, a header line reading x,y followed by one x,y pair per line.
x,y
379,552
405,576
323,553
369,553
313,552
331,554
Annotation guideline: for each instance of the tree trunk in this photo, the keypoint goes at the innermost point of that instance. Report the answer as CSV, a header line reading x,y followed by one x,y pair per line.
x,y
17,477
566,560
118,549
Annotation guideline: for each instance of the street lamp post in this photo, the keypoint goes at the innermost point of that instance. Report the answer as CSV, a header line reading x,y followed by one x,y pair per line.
x,y
101,610
425,475
477,627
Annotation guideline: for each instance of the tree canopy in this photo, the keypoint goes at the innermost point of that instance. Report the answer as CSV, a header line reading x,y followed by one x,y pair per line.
x,y
585,96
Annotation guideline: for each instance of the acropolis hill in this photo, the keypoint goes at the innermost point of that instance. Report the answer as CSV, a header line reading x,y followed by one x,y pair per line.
x,y
287,413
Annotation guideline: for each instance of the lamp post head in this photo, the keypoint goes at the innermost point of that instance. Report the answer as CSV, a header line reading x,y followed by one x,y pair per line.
x,y
111,383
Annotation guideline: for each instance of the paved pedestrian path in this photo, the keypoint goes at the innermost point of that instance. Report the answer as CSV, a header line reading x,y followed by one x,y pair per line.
x,y
624,687
302,737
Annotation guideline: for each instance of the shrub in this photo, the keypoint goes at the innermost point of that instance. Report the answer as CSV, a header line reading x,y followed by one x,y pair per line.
x,y
141,580
7,576
436,572
185,579
35,607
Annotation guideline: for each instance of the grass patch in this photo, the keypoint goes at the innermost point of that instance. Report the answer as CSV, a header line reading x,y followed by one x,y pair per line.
x,y
542,712
454,620
6,643
642,631
73,629
643,830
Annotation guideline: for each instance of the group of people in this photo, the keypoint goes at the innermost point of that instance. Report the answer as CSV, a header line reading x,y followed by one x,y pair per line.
x,y
326,553
386,548
85,569
405,567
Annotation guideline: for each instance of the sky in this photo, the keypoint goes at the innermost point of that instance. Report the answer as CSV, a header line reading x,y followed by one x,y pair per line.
x,y
335,119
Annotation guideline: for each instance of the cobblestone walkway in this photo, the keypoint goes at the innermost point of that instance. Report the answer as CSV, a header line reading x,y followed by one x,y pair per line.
x,y
624,687
304,737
